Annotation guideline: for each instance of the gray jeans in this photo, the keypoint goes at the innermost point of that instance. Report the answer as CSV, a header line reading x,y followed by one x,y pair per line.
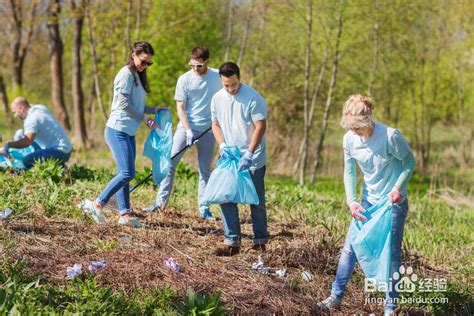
x,y
205,149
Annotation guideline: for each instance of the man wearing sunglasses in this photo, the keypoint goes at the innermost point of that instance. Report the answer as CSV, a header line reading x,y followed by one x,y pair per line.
x,y
194,92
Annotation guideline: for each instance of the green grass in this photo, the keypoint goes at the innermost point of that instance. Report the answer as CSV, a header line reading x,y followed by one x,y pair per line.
x,y
438,232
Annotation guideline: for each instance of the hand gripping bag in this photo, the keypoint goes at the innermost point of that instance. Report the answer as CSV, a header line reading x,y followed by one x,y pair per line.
x,y
226,184
158,146
371,241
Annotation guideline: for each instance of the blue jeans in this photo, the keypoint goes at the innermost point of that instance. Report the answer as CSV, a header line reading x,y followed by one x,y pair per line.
x,y
230,215
205,151
348,258
43,154
123,149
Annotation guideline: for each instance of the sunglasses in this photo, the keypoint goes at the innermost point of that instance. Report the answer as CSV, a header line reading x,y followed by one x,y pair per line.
x,y
144,62
196,65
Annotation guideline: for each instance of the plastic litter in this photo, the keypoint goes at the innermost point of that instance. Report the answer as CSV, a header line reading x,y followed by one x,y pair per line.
x,y
126,239
172,264
281,273
228,184
5,213
96,266
307,276
74,271
260,267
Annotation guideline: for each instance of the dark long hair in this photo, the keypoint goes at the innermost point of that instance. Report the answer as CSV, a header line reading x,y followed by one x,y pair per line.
x,y
137,49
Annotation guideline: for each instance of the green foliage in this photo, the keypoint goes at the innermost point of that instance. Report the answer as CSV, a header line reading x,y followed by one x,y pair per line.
x,y
77,172
21,294
50,170
199,304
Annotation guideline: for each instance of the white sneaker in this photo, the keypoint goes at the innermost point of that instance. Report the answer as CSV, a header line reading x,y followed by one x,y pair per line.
x,y
88,206
153,208
130,221
330,303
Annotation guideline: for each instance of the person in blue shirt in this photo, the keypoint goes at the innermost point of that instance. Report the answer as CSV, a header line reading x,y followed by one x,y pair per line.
x,y
194,91
41,130
386,163
239,118
128,111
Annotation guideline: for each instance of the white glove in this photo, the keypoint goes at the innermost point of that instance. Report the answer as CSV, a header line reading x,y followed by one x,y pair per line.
x,y
189,137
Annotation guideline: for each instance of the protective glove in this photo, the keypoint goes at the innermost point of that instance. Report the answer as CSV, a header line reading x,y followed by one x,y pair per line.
x,y
395,195
222,152
246,161
4,151
356,210
189,137
150,123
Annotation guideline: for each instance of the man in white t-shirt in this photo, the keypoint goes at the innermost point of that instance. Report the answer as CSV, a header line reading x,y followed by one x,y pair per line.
x,y
194,91
42,128
239,116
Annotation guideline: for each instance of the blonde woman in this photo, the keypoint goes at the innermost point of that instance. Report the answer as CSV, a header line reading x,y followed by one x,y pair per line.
x,y
386,162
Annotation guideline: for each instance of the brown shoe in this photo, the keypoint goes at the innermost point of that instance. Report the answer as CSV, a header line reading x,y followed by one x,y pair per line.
x,y
226,251
259,247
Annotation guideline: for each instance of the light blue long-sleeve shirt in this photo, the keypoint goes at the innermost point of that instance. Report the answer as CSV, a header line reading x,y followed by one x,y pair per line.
x,y
385,160
128,106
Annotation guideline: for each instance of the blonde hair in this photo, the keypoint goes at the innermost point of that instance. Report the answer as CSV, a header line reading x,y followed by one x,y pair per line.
x,y
357,112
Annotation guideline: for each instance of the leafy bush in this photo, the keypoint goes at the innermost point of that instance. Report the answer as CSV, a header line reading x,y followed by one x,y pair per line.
x,y
198,304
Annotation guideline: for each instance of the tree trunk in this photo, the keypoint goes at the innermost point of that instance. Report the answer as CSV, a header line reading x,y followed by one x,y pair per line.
x,y
332,85
95,68
56,63
80,131
248,26
375,56
4,97
128,40
253,72
307,72
20,46
303,145
139,20
230,22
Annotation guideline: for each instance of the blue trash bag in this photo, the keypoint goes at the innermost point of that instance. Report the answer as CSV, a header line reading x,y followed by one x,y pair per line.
x,y
5,162
158,146
371,241
227,184
17,155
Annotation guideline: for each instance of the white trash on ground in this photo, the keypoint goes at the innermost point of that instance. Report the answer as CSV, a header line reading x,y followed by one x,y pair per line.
x,y
260,267
172,264
5,213
96,266
307,276
74,271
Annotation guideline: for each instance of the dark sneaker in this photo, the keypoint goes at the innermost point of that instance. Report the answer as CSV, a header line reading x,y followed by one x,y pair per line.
x,y
259,247
226,251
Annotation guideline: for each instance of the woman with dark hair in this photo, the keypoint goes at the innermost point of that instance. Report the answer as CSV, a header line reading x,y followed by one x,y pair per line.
x,y
127,112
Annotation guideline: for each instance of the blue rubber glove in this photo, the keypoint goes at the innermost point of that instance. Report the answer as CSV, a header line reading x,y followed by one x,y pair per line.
x,y
245,161
222,152
4,150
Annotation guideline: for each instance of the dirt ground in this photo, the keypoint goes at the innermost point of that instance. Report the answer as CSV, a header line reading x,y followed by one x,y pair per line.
x,y
135,259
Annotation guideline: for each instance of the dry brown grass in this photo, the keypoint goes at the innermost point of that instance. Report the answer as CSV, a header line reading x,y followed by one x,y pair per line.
x,y
135,259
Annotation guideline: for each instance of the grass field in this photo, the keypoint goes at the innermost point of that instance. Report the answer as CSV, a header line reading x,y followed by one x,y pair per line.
x,y
47,233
